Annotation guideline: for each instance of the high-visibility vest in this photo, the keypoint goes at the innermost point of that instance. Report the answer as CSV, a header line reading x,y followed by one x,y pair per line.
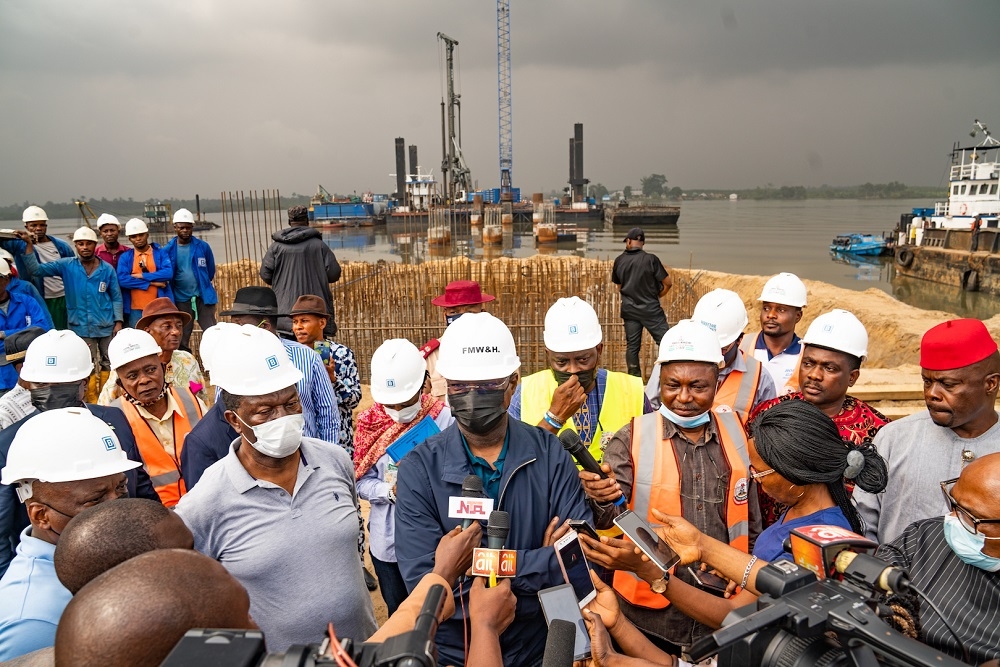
x,y
791,385
164,470
657,484
739,388
623,399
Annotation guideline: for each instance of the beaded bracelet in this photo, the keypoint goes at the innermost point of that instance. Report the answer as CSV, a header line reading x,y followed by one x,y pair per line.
x,y
552,421
746,573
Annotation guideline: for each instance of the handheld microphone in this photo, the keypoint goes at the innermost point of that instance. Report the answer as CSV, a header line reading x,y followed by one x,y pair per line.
x,y
874,573
572,443
497,529
816,548
560,644
495,561
472,487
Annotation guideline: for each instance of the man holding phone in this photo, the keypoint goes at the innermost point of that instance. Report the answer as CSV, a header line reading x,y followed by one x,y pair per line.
x,y
691,461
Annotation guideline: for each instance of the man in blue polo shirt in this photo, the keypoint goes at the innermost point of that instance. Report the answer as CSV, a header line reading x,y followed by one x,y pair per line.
x,y
777,346
17,312
194,270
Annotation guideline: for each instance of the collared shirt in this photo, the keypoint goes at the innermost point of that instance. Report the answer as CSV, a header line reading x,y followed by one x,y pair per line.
x,y
781,366
15,405
319,404
163,427
490,474
111,257
182,371
765,386
640,275
31,599
185,284
297,555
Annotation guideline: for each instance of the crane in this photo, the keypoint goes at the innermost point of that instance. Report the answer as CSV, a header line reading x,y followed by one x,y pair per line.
x,y
455,172
503,99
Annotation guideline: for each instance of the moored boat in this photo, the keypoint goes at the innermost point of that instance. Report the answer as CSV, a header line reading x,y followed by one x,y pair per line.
x,y
860,244
644,215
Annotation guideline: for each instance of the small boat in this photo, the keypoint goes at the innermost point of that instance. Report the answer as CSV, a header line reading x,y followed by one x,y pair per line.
x,y
644,215
860,244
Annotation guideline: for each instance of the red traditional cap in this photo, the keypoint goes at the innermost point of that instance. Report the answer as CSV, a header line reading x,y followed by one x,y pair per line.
x,y
955,344
462,293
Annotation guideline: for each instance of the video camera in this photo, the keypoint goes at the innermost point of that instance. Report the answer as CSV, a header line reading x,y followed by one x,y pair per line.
x,y
245,648
805,616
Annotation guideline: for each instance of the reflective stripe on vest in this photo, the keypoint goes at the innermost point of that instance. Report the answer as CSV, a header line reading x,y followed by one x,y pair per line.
x,y
163,469
624,397
739,388
657,484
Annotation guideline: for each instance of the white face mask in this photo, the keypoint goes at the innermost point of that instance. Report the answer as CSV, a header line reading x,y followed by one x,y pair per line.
x,y
279,437
404,416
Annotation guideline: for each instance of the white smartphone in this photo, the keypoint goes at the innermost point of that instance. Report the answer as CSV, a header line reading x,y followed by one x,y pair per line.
x,y
574,567
639,532
559,602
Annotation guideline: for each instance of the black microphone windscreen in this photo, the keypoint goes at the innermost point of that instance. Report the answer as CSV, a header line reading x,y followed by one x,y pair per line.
x,y
569,438
497,529
560,644
472,487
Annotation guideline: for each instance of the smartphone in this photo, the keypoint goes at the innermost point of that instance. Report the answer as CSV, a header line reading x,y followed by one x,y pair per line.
x,y
574,567
559,602
710,582
639,532
582,526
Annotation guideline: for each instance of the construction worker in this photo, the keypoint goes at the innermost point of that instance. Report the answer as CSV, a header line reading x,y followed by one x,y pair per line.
x,y
160,414
194,271
15,405
279,503
574,392
697,467
743,382
776,345
17,312
62,462
144,271
93,299
460,297
111,250
25,287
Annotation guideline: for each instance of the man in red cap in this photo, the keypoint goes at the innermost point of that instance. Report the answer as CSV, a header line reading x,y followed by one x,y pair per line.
x,y
460,297
960,366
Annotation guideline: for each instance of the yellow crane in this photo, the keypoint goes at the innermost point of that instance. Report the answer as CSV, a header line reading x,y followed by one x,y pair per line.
x,y
86,213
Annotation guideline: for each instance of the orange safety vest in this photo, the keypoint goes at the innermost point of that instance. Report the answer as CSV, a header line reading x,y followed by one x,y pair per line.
x,y
164,470
657,483
739,389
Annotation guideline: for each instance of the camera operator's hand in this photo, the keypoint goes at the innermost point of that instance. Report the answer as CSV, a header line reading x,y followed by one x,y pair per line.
x,y
619,555
598,489
554,531
681,535
453,555
491,609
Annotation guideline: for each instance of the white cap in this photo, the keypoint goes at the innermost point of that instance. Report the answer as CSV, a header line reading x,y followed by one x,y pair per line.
x,y
57,356
250,361
786,289
129,345
64,445
183,215
477,346
723,312
33,213
85,234
839,330
571,325
398,370
210,339
4,267
135,226
690,341
108,219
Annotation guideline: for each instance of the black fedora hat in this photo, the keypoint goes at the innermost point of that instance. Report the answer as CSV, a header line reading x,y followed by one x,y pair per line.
x,y
16,345
255,301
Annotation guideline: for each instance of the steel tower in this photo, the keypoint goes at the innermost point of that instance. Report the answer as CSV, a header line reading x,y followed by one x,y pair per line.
x,y
503,98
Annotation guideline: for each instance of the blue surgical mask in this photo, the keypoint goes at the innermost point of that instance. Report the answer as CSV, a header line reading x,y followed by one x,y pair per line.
x,y
685,422
451,318
967,546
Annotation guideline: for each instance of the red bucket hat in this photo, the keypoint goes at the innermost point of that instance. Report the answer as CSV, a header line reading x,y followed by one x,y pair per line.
x,y
462,293
955,344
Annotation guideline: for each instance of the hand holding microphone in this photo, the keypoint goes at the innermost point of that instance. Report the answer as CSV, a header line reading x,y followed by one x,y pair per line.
x,y
603,488
453,556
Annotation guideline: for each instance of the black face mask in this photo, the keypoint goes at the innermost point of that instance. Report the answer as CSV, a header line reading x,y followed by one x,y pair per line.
x,y
586,378
478,412
55,396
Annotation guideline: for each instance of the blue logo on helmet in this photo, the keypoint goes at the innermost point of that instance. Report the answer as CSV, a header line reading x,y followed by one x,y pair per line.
x,y
272,362
572,329
389,382
50,361
109,443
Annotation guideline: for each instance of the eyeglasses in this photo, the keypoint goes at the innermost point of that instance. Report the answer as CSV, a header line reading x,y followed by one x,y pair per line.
x,y
755,476
968,520
456,388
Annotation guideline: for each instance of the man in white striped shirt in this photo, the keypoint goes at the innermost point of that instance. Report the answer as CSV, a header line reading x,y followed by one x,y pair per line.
x,y
16,403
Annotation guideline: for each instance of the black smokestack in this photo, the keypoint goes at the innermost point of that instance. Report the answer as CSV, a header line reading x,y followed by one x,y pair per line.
x,y
578,150
401,170
572,160
413,159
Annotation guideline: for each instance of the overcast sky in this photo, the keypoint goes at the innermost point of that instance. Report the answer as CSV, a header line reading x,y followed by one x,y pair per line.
x,y
162,98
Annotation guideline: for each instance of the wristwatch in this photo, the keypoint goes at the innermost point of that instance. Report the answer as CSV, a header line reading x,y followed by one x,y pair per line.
x,y
660,585
392,497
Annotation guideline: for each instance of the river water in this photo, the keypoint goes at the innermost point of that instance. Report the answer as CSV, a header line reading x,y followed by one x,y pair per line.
x,y
742,237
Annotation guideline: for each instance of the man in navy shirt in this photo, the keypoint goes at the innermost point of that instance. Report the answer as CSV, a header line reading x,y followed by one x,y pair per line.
x,y
641,280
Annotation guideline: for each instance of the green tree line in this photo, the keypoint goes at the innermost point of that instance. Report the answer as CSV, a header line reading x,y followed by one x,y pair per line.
x,y
128,208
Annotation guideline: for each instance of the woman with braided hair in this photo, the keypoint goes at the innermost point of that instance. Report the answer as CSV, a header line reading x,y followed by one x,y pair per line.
x,y
798,458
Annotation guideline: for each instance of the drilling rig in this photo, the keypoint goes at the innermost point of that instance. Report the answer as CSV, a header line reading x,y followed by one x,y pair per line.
x,y
455,173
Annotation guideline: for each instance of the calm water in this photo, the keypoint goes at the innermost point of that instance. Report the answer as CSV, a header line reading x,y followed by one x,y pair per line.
x,y
744,237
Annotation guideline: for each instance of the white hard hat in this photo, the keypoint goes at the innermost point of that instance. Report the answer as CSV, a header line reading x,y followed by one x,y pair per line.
x,y
64,445
57,356
129,345
723,312
839,330
398,370
571,325
6,256
250,361
477,346
690,341
786,289
4,267
183,215
210,339
85,234
108,219
135,226
33,213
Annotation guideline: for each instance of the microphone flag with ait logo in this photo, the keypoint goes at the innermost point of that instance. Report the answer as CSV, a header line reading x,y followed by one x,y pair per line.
x,y
495,561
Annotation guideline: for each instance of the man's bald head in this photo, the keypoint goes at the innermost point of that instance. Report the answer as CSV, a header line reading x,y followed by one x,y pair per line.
x,y
101,537
136,612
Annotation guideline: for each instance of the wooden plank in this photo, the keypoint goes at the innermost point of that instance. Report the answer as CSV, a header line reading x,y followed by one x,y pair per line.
x,y
887,392
898,412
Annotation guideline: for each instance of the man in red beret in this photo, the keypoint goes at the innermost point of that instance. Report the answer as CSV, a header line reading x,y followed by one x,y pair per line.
x,y
960,366
460,297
